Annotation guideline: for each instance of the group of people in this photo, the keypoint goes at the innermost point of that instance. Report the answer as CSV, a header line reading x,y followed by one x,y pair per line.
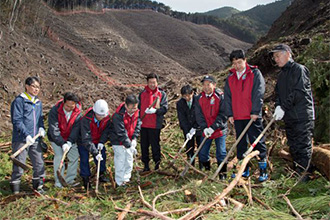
x,y
203,118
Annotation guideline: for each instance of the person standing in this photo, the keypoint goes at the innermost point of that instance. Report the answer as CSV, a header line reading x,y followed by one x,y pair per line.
x,y
185,108
244,93
210,116
153,104
27,119
294,104
123,131
93,123
63,132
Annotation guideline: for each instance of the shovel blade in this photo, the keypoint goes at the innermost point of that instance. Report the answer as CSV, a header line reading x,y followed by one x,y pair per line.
x,y
61,179
21,164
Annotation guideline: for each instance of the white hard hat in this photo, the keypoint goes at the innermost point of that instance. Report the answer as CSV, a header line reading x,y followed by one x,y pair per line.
x,y
101,107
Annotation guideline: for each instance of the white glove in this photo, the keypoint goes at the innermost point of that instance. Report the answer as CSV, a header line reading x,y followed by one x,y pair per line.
x,y
66,147
99,157
208,132
150,110
189,136
133,143
100,146
279,113
133,150
192,131
42,132
29,140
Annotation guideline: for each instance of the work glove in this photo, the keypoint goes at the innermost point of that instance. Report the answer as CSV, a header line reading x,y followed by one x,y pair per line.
x,y
42,132
99,157
29,140
100,146
192,131
279,113
133,150
133,143
150,110
66,146
189,136
208,132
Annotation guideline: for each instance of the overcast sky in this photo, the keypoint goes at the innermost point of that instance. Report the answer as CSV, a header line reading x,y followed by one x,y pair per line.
x,y
207,5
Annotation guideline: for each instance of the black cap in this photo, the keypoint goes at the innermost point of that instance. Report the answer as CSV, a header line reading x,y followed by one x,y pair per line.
x,y
209,78
281,47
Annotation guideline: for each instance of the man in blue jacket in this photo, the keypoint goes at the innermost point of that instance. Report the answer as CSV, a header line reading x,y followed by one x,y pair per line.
x,y
27,120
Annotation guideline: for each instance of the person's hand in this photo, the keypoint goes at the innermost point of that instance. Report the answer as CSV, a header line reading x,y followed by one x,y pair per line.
x,y
99,157
189,136
150,110
279,113
133,143
100,146
192,131
42,132
254,117
231,120
208,132
29,140
66,147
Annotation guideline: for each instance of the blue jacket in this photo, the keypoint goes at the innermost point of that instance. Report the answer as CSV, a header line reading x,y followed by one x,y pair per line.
x,y
26,117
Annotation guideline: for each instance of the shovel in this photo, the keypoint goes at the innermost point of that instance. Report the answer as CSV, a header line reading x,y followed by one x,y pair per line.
x,y
193,157
258,138
58,172
98,175
232,149
19,163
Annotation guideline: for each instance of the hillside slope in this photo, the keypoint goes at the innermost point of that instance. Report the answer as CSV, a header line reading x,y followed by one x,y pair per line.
x,y
103,54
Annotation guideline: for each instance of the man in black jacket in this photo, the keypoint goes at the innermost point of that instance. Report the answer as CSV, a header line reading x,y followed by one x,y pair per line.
x,y
185,108
294,103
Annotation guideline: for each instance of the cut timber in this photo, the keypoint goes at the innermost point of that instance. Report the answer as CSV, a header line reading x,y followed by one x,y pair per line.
x,y
320,159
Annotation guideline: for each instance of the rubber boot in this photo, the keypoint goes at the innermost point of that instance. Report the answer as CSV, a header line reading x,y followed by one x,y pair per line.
x,y
223,172
246,172
103,178
263,172
301,171
207,165
86,183
146,167
201,166
15,187
38,184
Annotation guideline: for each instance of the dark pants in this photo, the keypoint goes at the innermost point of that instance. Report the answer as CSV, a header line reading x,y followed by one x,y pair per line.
x,y
84,161
299,136
190,147
254,131
150,136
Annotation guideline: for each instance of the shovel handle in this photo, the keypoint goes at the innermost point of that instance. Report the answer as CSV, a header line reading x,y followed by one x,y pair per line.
x,y
152,105
258,138
232,149
24,147
193,157
62,160
98,175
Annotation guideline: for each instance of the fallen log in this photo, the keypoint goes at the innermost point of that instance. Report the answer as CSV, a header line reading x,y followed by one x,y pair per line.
x,y
320,159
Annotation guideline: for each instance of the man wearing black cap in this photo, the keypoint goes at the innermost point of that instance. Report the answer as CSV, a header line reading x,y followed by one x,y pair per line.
x,y
244,93
210,116
294,103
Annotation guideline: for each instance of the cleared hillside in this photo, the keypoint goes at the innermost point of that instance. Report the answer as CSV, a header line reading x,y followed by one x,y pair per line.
x,y
102,54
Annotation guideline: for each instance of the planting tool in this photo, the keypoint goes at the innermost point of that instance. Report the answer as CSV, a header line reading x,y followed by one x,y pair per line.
x,y
258,138
232,149
98,174
19,163
58,172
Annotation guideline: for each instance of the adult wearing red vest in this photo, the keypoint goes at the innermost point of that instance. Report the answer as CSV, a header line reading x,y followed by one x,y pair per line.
x,y
93,124
123,131
210,116
153,119
244,92
63,132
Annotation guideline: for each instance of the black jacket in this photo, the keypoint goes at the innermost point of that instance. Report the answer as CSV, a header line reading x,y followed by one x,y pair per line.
x,y
293,92
186,116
